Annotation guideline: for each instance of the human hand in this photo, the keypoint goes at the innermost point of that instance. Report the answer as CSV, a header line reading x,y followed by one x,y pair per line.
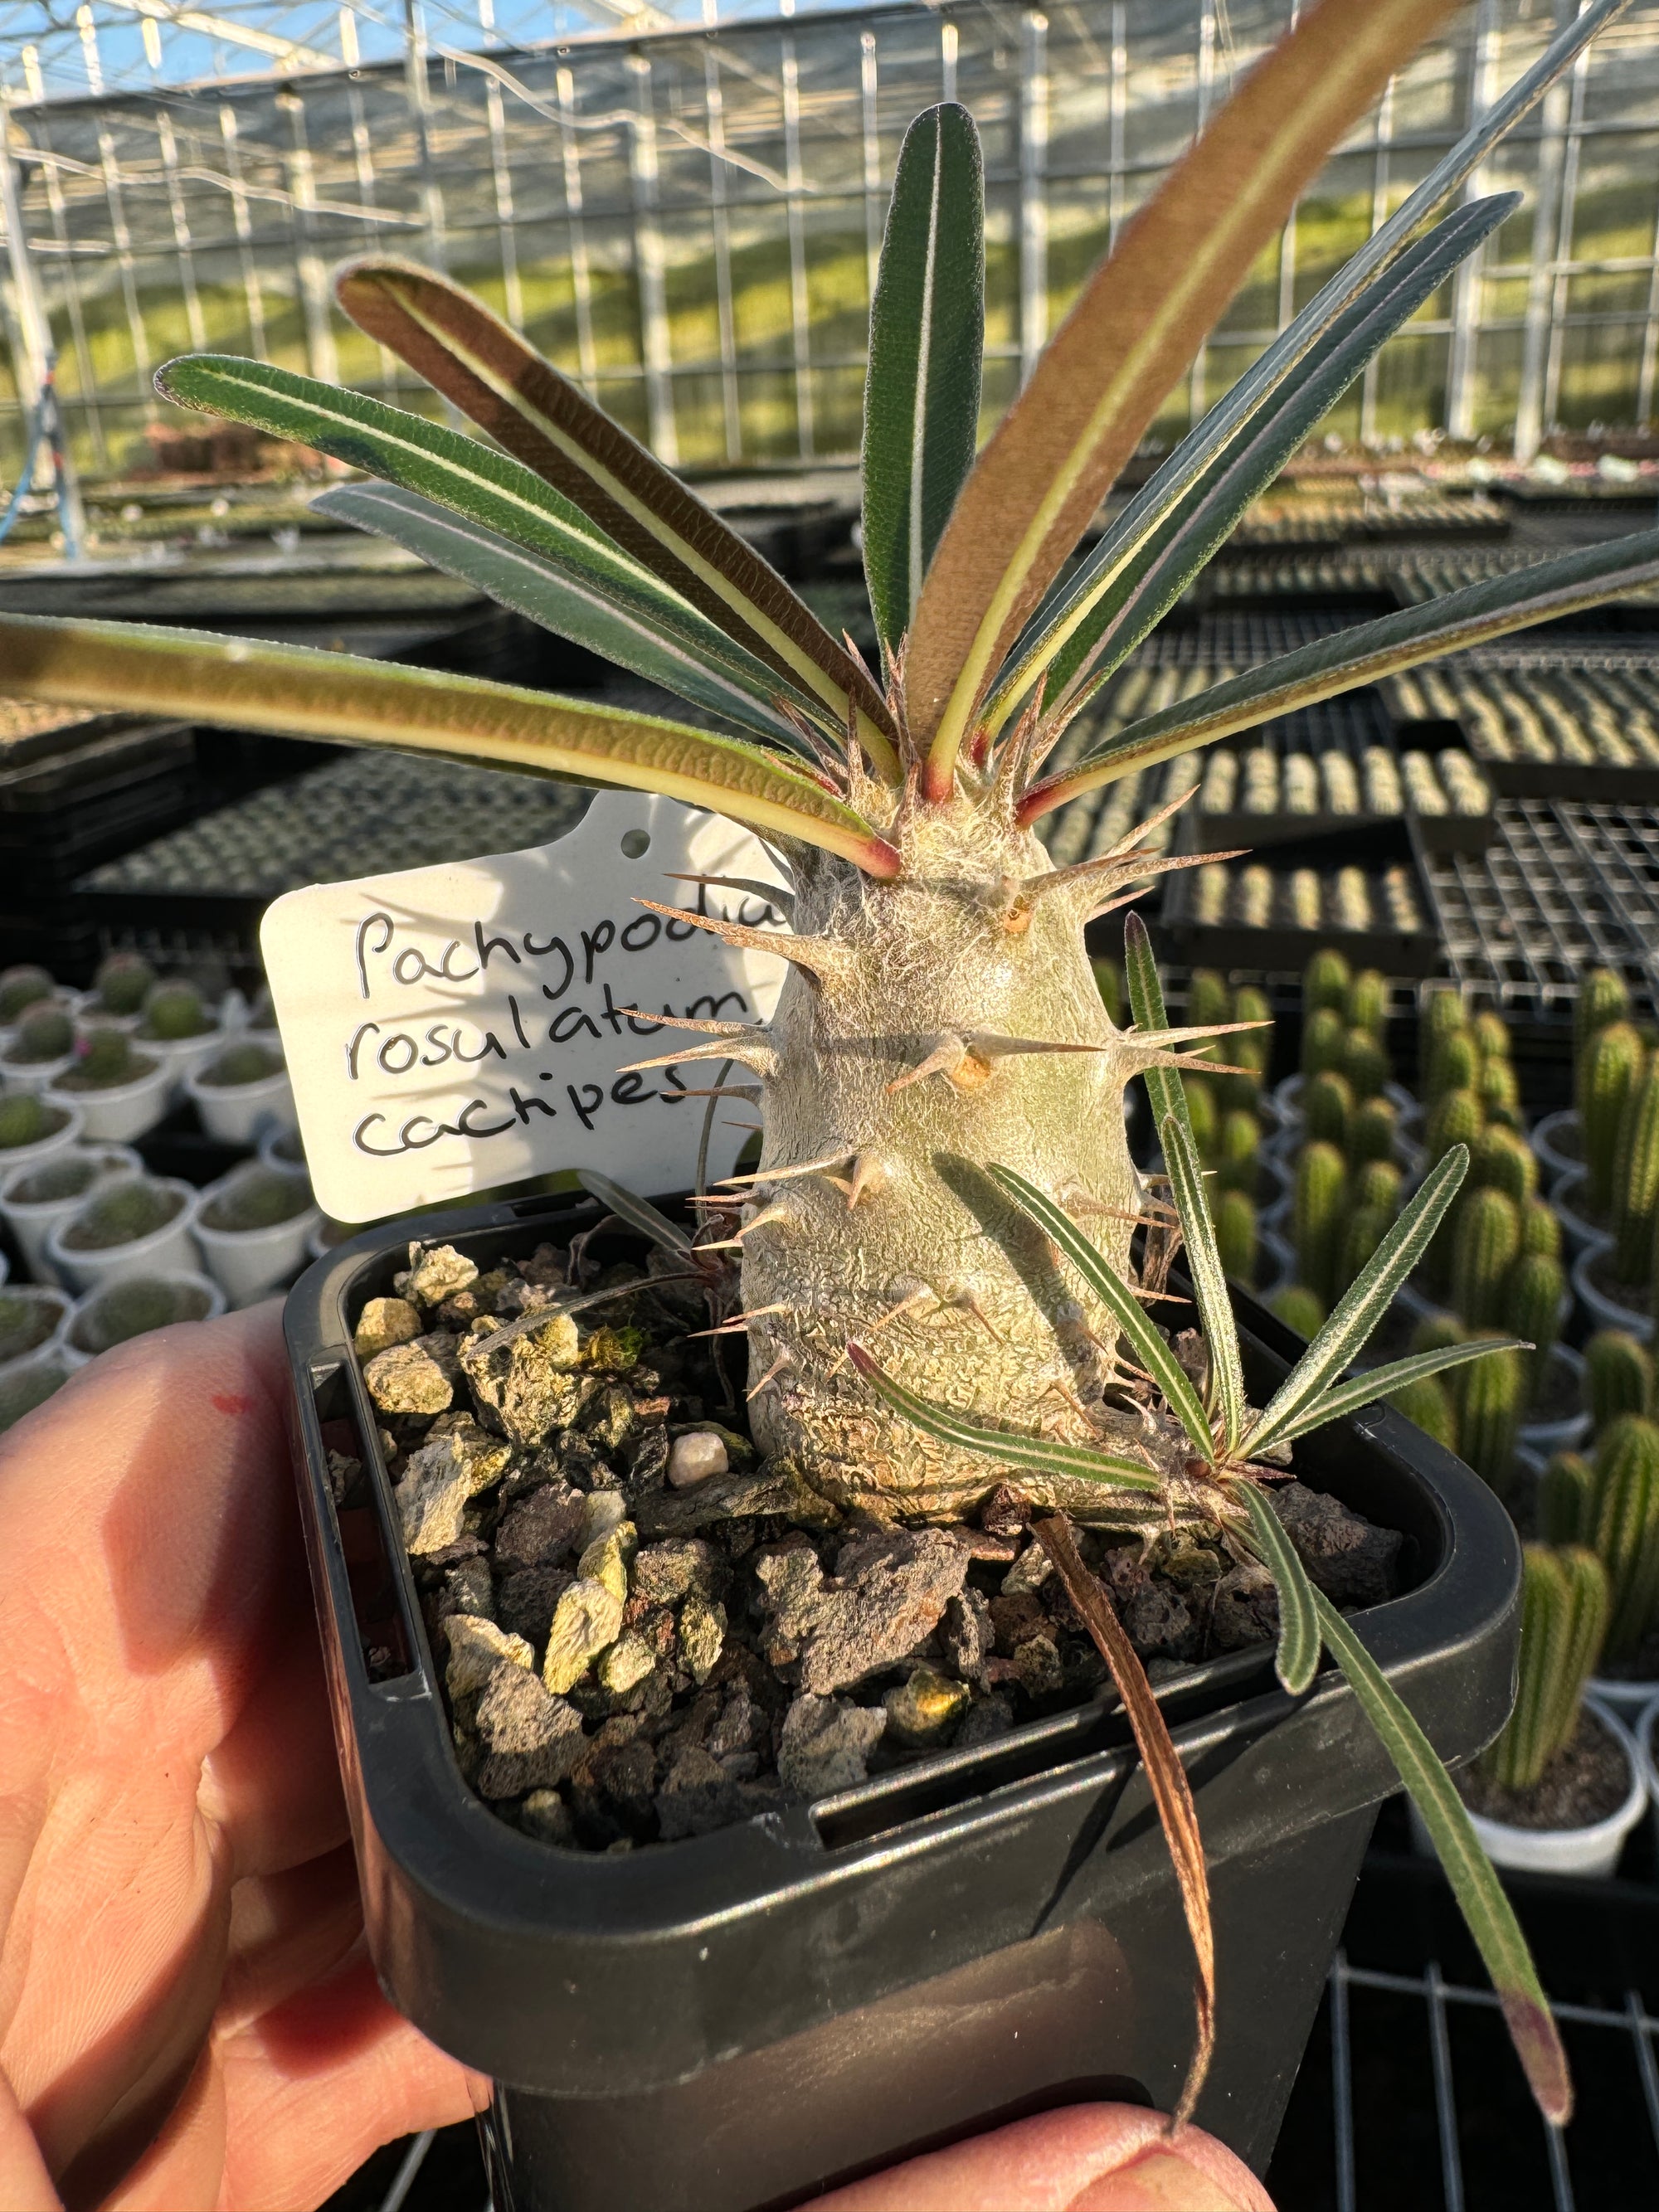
x,y
187,2016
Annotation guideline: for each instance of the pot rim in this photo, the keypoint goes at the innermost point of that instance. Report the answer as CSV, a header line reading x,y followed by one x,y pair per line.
x,y
1593,1835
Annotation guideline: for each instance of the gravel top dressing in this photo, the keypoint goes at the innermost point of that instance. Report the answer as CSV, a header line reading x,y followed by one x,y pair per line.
x,y
648,1633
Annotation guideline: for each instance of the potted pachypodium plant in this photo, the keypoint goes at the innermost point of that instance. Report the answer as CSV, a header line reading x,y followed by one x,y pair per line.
x,y
940,1012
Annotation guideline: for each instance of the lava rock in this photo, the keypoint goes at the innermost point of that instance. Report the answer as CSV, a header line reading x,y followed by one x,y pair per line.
x,y
985,1720
382,1323
966,1635
1036,1666
1350,1558
702,1636
435,1274
886,1597
545,1815
406,1378
627,1663
698,1796
541,1528
532,1740
924,1710
526,1600
523,1377
587,1621
467,1588
826,1745
666,1572
1245,1610
476,1648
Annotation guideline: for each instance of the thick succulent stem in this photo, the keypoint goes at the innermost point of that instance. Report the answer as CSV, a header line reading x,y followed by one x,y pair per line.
x,y
880,1225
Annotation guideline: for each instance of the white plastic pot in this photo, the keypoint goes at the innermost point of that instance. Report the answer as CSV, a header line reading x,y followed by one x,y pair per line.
x,y
186,1278
1567,1433
1578,1232
274,1148
121,1111
182,1056
1641,1729
248,1263
169,1249
36,1075
1554,1141
1592,1852
18,1157
32,1223
58,1307
1605,1310
241,1113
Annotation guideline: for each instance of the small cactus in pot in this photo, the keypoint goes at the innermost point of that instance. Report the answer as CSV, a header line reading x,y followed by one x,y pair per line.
x,y
1567,1500
1429,1404
121,1311
1485,1241
45,1033
1533,1299
123,983
1541,1229
1609,1074
1627,1530
1366,1006
1235,1235
1319,1217
1603,999
1299,1309
1454,1065
1455,1118
123,1213
1373,1129
107,1060
1238,1151
239,1065
255,1198
1326,981
1326,1106
1250,1049
1499,1160
174,1012
1636,1183
1564,1619
1365,1062
26,1120
21,988
1618,1377
1323,1034
1491,1399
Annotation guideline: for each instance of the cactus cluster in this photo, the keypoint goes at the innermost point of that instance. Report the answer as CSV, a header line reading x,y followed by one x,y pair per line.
x,y
1563,1618
1224,1109
1618,1377
1610,1502
1348,1182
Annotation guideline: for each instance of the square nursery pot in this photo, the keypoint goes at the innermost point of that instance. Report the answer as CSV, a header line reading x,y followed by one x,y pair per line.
x,y
741,2020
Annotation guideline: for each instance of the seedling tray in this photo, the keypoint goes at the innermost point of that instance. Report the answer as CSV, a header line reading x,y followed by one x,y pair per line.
x,y
1282,947
993,1931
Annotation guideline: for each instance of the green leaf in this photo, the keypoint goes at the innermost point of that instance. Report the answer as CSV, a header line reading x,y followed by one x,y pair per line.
x,y
292,691
490,488
1165,1088
1362,1304
1362,655
1170,529
578,600
1131,1317
637,1212
1297,1660
1381,1381
1043,1454
1140,318
927,334
501,383
1486,1910
1215,1307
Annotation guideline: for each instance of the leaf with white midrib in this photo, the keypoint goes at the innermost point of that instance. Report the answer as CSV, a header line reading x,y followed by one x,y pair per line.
x,y
1209,1277
927,334
1165,1088
1297,1659
1383,1383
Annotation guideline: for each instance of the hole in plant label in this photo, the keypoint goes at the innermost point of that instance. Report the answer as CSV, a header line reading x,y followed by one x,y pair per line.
x,y
450,1030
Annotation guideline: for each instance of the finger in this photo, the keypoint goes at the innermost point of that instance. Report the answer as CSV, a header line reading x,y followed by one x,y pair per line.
x,y
320,2083
1090,2158
287,1931
25,2185
272,1788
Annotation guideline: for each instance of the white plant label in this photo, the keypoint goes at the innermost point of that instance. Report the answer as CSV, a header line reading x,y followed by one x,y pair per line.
x,y
452,1029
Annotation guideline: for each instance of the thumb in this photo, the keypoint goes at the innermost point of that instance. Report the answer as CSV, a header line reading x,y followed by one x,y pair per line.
x,y
1090,2158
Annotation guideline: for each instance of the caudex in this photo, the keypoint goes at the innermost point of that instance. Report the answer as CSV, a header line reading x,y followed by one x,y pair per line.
x,y
943,1173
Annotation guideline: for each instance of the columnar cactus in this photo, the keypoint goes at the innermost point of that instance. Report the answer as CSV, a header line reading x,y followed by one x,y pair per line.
x,y
1235,1235
1491,1035
1563,1618
1491,1398
1627,1527
1609,1071
1499,1160
1366,1229
1365,1062
1485,1240
1618,1377
1251,1049
1367,1003
1299,1309
1443,1013
1377,1185
1541,1229
1202,1114
1326,1107
1438,1332
1498,1088
1454,1119
1238,1149
1454,1065
1636,1181
1319,1214
1325,983
1603,998
1567,1500
1372,1130
1533,1299
1428,1402
1323,1032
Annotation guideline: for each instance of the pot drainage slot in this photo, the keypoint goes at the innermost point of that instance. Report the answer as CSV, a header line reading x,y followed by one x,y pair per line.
x,y
349,1462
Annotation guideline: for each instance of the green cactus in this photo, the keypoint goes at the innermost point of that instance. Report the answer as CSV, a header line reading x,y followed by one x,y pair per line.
x,y
1456,1119
1318,1214
1612,1068
1428,1403
1443,1013
1564,1619
1541,1229
25,1120
1366,1063
1372,1130
1618,1377
1490,1397
1251,1049
1438,1332
1325,982
22,987
1366,1006
1602,999
45,1033
1491,1035
1533,1299
1322,1034
1238,1148
107,1060
1636,1181
1454,1065
1201,1112
1208,999
1485,1240
1566,1500
1378,1186
1327,1104
123,983
1499,1160
1500,1091
1108,982
1235,1235
1299,1309
1366,1230
1627,1530
173,1010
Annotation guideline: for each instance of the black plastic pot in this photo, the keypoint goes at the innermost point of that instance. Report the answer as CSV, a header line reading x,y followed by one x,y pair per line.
x,y
742,2019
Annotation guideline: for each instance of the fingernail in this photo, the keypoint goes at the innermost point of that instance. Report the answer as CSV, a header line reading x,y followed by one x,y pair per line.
x,y
1156,2181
